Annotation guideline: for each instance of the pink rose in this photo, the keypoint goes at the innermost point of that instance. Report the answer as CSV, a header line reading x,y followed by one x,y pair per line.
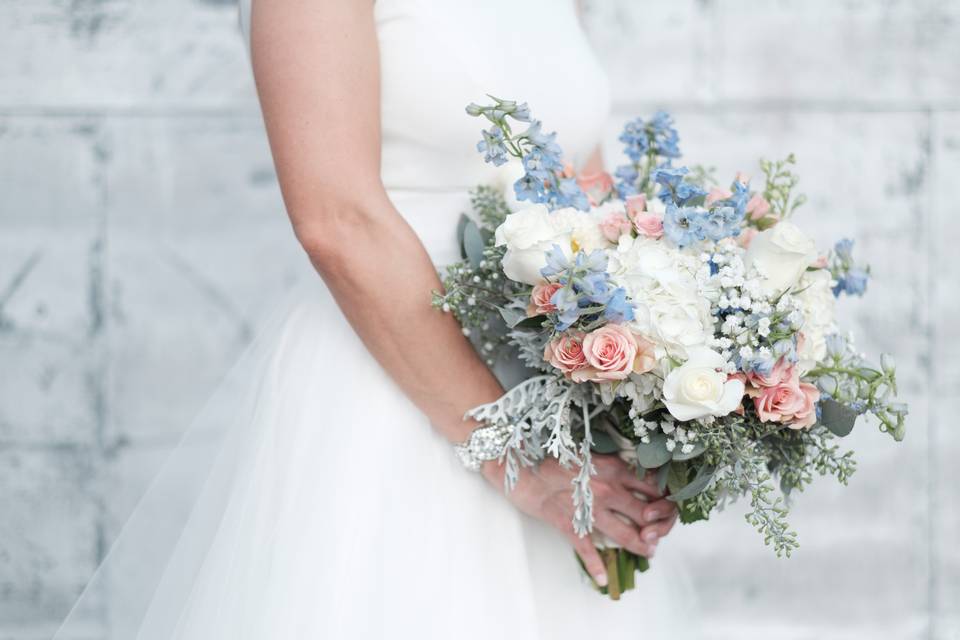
x,y
746,237
648,224
636,205
757,207
614,226
611,353
565,352
820,263
646,358
783,371
787,401
597,186
717,194
540,299
793,404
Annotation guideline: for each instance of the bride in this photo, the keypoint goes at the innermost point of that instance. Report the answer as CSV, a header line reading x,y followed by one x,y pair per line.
x,y
326,501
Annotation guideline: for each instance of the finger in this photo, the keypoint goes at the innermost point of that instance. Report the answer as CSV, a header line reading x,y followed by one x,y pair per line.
x,y
626,503
662,527
659,510
632,481
626,535
590,557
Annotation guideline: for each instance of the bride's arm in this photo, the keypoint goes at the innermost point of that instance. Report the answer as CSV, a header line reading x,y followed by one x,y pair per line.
x,y
316,66
317,71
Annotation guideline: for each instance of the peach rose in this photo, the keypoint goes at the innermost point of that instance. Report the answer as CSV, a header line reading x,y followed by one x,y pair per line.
x,y
820,263
636,205
648,224
757,207
614,226
540,299
716,194
646,358
597,186
782,372
793,404
746,236
611,353
565,352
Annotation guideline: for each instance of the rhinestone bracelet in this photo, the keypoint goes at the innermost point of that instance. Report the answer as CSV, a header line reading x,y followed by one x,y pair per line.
x,y
485,443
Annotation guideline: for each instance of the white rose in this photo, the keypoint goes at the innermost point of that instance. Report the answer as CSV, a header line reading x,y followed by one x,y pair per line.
x,y
700,387
817,305
780,254
506,175
529,233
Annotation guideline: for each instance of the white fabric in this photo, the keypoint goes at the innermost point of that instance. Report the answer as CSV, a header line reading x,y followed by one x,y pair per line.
x,y
312,499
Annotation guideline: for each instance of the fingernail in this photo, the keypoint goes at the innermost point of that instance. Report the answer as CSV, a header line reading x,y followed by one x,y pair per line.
x,y
650,536
600,579
653,515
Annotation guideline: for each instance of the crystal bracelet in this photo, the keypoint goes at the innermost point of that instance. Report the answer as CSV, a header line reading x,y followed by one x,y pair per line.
x,y
485,443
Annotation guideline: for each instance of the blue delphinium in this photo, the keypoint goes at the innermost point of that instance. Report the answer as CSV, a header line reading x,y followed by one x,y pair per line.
x,y
538,151
683,225
675,188
587,291
647,144
850,278
492,146
721,222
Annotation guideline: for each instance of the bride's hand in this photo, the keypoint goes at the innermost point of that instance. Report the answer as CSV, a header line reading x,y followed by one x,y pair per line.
x,y
633,522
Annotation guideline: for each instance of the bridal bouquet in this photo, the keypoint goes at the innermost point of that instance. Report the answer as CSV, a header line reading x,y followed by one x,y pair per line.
x,y
685,326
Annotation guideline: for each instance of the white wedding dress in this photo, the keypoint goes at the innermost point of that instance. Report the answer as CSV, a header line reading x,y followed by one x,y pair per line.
x,y
312,499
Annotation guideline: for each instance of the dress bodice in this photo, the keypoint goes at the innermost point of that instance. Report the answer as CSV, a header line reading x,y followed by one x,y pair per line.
x,y
436,56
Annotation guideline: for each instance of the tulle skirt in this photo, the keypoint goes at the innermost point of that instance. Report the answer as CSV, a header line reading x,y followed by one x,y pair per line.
x,y
311,499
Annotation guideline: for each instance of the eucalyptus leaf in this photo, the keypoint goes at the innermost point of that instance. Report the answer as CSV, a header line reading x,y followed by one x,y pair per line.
x,y
473,244
700,482
653,454
512,316
836,417
535,322
662,474
698,448
461,227
603,443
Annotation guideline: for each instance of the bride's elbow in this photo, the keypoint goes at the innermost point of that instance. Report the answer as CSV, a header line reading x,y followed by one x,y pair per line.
x,y
331,234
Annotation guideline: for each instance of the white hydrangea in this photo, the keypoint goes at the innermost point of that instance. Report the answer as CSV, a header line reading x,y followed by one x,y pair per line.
x,y
670,309
816,304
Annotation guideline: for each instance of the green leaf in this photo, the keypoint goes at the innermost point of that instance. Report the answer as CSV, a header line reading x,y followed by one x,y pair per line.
x,y
836,417
512,316
690,512
700,482
651,455
603,443
535,322
662,474
473,244
461,227
698,448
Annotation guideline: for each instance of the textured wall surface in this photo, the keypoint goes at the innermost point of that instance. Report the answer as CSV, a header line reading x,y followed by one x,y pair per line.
x,y
142,238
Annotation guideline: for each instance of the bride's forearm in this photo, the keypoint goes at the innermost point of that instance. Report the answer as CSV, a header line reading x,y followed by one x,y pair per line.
x,y
319,90
382,278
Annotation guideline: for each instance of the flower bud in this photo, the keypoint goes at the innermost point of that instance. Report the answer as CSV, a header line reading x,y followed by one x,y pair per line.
x,y
887,363
829,385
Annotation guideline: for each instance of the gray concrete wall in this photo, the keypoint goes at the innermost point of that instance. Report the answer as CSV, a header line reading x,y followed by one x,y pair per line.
x,y
142,238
